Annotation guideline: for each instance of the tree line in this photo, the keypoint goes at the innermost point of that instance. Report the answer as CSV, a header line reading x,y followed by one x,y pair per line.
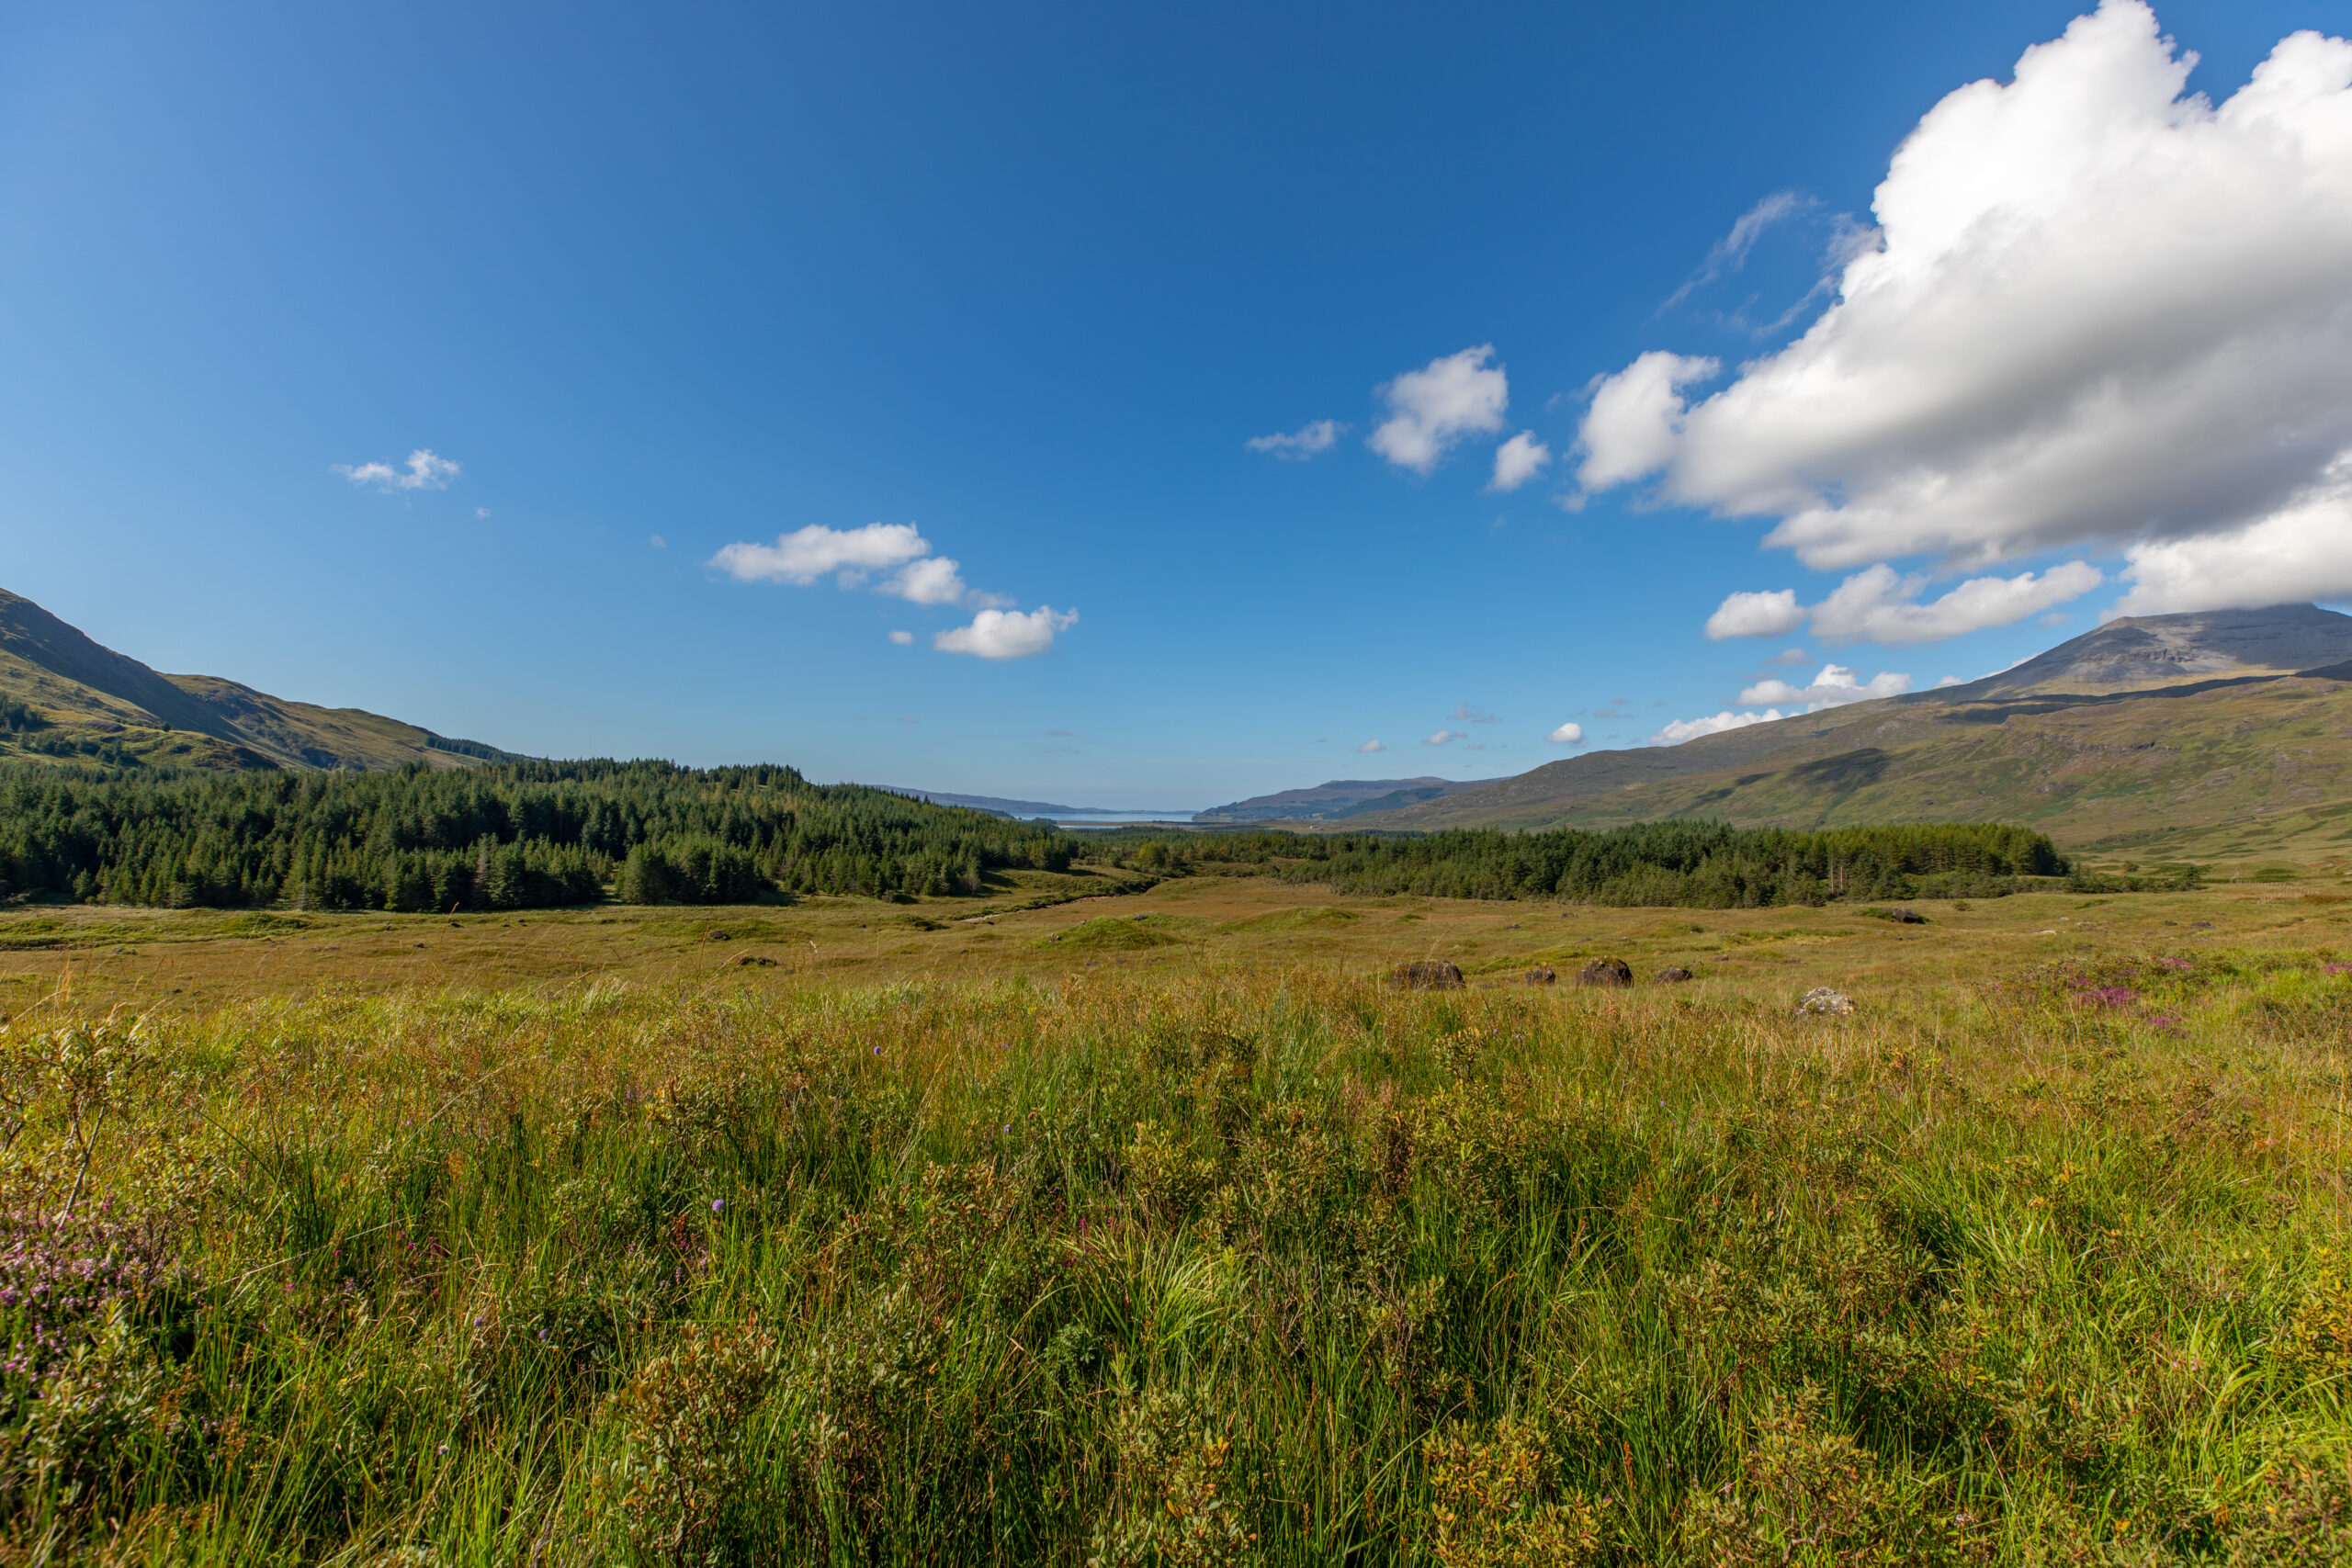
x,y
522,835
1702,864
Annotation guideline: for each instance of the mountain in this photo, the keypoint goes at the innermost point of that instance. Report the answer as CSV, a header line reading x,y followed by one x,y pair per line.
x,y
2072,742
68,697
2145,652
1337,798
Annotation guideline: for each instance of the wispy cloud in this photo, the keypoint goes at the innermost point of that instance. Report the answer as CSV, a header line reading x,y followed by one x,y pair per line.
x,y
423,470
800,558
1471,713
1307,441
1729,253
1442,736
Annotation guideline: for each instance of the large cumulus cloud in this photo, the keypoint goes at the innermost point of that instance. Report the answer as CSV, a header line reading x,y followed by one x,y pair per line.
x,y
2104,315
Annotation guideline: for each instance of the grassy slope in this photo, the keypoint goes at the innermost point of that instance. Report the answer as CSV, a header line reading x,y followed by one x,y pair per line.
x,y
1209,1250
2128,770
87,691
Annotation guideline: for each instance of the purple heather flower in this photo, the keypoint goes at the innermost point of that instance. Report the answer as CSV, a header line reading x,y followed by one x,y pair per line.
x,y
716,1204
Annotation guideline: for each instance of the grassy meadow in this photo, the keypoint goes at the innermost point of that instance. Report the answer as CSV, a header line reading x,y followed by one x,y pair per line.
x,y
1159,1229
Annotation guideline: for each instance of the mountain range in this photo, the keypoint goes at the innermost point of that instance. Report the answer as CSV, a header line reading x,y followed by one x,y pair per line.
x,y
72,698
2219,733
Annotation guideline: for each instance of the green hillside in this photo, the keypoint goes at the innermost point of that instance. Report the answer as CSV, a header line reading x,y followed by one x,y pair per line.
x,y
64,697
2220,769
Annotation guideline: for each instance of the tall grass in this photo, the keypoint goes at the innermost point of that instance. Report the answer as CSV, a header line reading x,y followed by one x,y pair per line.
x,y
1283,1270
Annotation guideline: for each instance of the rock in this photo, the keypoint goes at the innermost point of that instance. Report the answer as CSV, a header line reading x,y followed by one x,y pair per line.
x,y
1672,975
1430,975
1606,972
2201,925
715,936
756,960
1541,975
1903,917
1821,999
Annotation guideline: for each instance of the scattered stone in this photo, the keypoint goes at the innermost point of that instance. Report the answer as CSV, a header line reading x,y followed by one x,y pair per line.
x,y
1606,972
2201,925
754,960
716,936
1512,927
1541,975
1430,975
1672,975
1904,916
1823,1000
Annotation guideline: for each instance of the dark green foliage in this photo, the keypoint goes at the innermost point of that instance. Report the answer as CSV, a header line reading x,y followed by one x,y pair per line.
x,y
16,717
1698,863
524,835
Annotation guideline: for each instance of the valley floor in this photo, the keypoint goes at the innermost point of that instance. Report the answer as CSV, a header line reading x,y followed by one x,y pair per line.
x,y
1159,1229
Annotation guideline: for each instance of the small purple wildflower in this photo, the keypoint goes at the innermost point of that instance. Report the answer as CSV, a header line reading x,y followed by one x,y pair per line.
x,y
2335,968
716,1204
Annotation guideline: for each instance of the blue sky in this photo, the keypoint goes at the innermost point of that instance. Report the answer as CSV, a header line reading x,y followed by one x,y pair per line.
x,y
1027,280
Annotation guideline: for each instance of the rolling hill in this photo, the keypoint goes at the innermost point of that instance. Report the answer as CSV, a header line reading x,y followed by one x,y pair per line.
x,y
69,698
2075,743
1337,798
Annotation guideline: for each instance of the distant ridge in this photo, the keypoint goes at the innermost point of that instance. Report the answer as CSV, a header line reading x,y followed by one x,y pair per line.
x,y
2143,726
1024,808
1337,798
85,702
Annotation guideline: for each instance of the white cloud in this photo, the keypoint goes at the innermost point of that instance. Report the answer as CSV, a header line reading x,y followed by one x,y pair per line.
x,y
1432,409
1568,735
1950,680
421,471
1834,687
1006,634
1635,421
1678,730
934,580
1757,615
1877,606
808,554
2100,313
1471,713
904,639
1307,441
1442,736
658,542
1517,460
1371,745
2301,552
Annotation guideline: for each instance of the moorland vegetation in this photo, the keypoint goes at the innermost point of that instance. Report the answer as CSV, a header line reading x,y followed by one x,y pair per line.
x,y
1262,1266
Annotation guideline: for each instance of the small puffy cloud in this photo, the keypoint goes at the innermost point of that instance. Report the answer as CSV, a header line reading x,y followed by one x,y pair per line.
x,y
658,542
1432,409
1678,730
1006,634
1442,736
1517,460
1834,687
904,639
2098,311
1568,735
1877,606
1950,680
1307,441
934,580
421,471
807,554
1775,613
1471,713
1634,426
1371,745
